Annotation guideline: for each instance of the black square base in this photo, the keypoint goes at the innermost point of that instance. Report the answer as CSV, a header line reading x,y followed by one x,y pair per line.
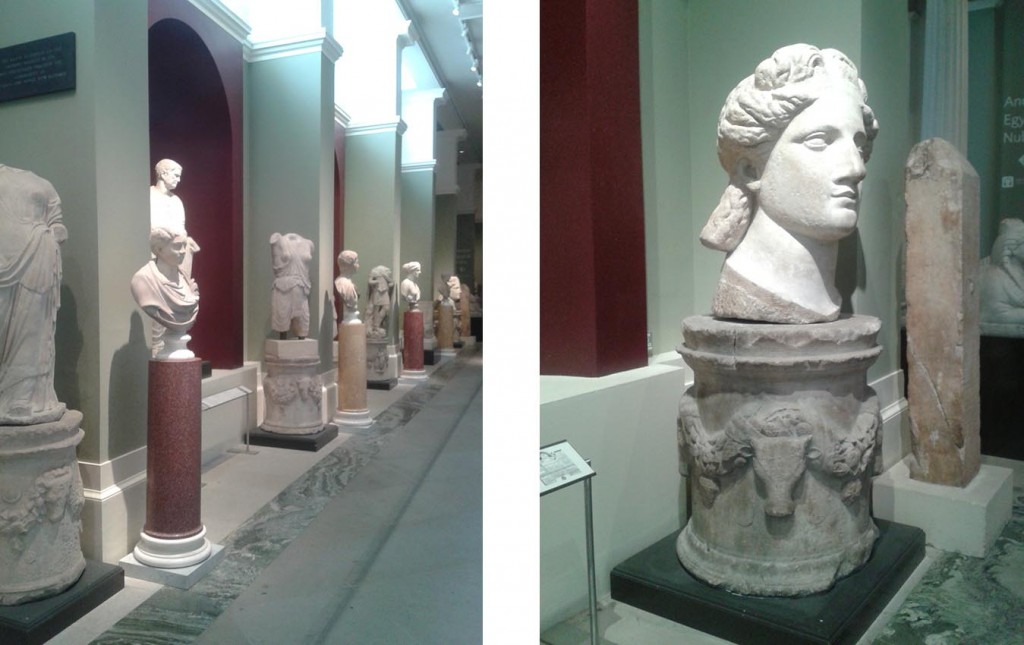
x,y
308,442
207,368
428,357
382,385
39,621
655,581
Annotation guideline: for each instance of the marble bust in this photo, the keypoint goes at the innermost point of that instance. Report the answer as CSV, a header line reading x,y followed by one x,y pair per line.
x,y
166,209
794,138
454,288
409,289
348,264
1002,282
444,292
289,299
381,287
167,295
31,231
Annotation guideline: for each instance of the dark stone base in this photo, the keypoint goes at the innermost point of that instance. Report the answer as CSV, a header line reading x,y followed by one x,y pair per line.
x,y
476,328
428,357
39,621
653,580
1002,387
381,385
309,442
458,344
207,369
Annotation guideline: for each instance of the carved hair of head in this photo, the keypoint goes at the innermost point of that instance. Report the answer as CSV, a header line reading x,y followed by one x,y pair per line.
x,y
347,257
166,164
409,267
159,238
755,114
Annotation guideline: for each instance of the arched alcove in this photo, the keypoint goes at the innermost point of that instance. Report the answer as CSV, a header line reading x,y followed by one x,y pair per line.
x,y
189,121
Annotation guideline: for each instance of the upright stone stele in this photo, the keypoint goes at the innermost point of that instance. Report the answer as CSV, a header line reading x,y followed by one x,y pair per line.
x,y
942,194
41,494
779,430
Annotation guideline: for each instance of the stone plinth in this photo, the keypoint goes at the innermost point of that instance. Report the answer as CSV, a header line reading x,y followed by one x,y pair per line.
x,y
41,500
174,535
412,351
778,435
446,328
352,408
292,387
381,364
942,314
966,520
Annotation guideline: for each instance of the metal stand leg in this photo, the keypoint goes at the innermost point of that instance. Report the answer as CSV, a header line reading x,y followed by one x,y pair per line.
x,y
591,575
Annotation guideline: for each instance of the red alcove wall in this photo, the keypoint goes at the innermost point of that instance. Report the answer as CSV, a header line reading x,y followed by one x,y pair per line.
x,y
593,307
193,122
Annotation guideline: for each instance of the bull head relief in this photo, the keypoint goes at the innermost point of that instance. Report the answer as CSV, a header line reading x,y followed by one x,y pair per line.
x,y
779,463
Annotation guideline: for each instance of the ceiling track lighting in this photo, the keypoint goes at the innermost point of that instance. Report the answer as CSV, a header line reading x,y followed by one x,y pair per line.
x,y
476,65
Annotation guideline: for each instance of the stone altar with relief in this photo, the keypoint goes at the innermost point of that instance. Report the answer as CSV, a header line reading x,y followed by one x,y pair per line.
x,y
41,493
779,431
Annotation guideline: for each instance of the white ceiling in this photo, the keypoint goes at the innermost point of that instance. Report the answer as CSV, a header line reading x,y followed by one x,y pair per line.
x,y
443,46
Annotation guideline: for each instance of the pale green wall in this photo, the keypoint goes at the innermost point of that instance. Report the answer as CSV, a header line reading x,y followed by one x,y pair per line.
x,y
290,182
687,70
984,111
373,205
418,233
665,115
93,145
445,214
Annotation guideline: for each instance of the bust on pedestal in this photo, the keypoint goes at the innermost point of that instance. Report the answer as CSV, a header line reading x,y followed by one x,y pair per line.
x,y
174,536
779,430
352,408
382,357
445,318
412,324
292,387
41,494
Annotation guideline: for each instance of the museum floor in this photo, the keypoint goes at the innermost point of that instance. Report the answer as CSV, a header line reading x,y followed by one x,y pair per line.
x,y
376,538
950,599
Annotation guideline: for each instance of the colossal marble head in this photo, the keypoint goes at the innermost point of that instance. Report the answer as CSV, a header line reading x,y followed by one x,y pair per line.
x,y
794,138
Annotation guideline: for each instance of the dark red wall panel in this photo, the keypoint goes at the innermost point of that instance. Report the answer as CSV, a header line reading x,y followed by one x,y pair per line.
x,y
195,94
593,286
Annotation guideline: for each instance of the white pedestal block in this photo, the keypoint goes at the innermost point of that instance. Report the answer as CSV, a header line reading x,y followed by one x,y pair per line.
x,y
179,578
965,520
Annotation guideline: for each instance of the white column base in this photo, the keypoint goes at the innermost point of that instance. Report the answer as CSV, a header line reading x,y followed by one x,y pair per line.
x,y
965,520
413,376
172,554
353,418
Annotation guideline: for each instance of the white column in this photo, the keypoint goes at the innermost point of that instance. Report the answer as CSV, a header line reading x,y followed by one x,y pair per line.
x,y
944,109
